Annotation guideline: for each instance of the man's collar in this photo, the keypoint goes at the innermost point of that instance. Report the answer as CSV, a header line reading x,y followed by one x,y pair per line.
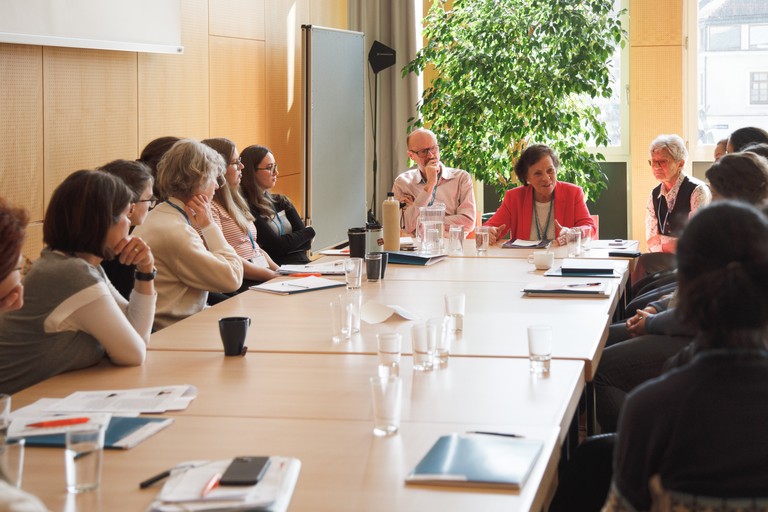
x,y
446,173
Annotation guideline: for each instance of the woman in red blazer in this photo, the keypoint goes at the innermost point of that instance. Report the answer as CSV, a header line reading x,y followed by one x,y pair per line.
x,y
542,208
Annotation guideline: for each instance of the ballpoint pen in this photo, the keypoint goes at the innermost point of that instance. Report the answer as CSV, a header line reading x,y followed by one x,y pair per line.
x,y
296,285
501,434
582,284
211,485
154,479
306,274
65,422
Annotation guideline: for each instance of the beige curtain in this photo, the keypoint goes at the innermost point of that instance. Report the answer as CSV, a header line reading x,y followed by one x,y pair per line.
x,y
397,24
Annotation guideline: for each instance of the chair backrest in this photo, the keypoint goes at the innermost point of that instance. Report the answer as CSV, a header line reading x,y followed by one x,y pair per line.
x,y
663,500
596,218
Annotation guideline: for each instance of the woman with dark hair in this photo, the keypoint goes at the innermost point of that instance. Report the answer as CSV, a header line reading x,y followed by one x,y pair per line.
x,y
189,265
72,316
742,176
231,213
743,137
540,208
13,223
694,433
282,233
152,154
138,177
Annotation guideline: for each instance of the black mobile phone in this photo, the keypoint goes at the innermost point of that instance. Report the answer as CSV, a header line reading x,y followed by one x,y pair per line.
x,y
623,254
246,470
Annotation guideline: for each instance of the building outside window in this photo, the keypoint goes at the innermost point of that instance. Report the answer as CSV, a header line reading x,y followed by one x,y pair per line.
x,y
728,66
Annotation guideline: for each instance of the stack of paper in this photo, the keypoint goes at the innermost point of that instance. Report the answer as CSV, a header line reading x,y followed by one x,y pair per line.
x,y
335,268
599,290
527,244
184,489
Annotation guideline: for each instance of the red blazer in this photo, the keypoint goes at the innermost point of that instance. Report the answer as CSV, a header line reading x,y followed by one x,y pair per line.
x,y
516,210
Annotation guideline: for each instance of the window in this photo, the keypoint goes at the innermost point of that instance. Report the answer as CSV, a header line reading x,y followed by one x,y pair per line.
x,y
614,111
723,38
758,90
758,37
728,68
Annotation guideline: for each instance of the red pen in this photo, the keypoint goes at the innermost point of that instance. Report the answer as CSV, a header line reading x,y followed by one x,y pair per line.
x,y
58,423
211,485
306,274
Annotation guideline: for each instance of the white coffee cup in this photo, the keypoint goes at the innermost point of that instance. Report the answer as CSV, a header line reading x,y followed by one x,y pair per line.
x,y
542,260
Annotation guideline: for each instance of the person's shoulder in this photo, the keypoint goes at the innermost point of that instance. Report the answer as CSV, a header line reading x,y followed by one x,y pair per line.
x,y
570,187
696,181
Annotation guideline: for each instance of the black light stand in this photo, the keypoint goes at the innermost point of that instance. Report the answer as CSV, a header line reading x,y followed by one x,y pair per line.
x,y
380,57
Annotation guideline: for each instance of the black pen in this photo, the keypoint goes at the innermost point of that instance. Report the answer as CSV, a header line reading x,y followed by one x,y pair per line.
x,y
583,284
153,480
502,434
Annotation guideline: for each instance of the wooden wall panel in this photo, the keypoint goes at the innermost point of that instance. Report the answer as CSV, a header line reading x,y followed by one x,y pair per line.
x,y
329,13
173,89
656,109
656,22
238,96
243,19
21,132
90,112
283,108
291,186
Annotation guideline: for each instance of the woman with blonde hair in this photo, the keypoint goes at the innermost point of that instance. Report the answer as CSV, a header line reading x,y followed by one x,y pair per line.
x,y
232,215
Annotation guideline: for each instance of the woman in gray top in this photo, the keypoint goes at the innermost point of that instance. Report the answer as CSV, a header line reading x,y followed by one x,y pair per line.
x,y
72,316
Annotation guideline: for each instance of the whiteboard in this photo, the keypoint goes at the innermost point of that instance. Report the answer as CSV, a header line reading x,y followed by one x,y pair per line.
x,y
334,132
128,25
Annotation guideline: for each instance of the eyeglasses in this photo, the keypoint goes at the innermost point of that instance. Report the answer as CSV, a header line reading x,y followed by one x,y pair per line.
x,y
237,162
658,163
271,168
152,202
424,152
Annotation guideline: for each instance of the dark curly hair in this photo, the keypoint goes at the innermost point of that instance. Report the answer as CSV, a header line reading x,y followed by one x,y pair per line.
x,y
530,156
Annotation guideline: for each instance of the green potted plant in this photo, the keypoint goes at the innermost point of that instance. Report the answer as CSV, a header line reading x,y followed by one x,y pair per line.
x,y
514,72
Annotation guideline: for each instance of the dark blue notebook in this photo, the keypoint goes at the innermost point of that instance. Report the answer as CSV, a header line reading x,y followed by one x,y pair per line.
x,y
412,258
477,460
122,433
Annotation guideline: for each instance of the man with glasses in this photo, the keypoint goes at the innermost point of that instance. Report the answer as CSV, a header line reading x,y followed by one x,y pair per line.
x,y
431,182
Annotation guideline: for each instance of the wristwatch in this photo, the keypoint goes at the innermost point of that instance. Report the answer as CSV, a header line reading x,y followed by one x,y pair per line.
x,y
145,276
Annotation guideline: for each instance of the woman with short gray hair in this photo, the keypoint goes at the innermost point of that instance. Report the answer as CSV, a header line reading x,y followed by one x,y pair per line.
x,y
188,265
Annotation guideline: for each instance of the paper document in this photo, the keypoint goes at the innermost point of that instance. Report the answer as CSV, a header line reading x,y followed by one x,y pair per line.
x,y
592,289
296,285
526,244
375,313
335,268
183,490
128,401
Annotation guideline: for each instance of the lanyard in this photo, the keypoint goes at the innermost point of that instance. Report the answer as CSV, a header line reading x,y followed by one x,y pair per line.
x,y
542,236
434,190
250,237
662,226
276,219
186,217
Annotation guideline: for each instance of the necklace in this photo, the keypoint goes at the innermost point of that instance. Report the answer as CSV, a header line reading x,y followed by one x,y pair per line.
x,y
542,233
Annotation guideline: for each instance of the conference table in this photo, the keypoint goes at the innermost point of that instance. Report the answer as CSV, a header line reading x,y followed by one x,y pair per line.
x,y
297,393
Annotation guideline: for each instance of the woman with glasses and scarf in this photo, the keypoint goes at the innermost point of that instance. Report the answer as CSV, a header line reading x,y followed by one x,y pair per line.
x,y
282,233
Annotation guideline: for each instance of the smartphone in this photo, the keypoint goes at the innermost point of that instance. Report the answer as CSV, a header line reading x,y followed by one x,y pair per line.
x,y
245,470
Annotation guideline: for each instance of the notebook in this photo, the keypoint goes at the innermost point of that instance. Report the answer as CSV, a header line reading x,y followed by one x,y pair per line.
x,y
477,460
411,258
595,289
122,433
572,266
297,285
